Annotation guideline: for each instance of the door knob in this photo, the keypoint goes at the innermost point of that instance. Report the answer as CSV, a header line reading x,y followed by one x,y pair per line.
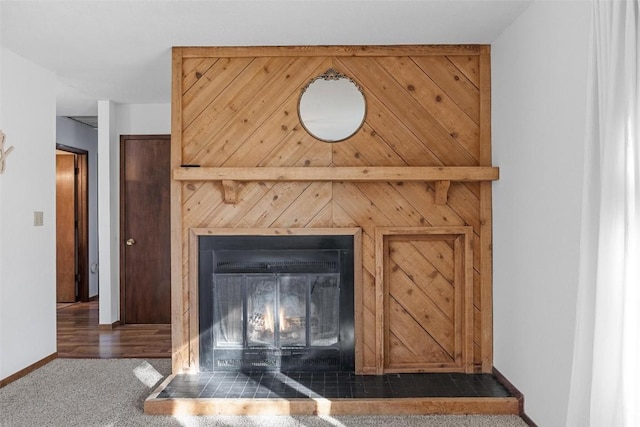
x,y
130,242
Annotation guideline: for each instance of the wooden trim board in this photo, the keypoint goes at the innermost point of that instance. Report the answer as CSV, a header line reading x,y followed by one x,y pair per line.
x,y
407,406
390,406
324,174
108,326
26,371
266,51
486,215
179,347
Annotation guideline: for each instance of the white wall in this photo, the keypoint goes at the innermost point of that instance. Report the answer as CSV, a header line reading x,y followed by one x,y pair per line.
x,y
27,253
2,372
539,67
108,217
115,120
1,123
77,135
143,119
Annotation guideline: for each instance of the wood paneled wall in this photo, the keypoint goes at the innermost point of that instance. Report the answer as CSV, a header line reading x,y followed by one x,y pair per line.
x,y
426,106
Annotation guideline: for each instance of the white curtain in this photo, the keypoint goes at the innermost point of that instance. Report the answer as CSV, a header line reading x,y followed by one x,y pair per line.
x,y
605,384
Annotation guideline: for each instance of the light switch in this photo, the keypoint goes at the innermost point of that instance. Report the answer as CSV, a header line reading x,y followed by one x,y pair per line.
x,y
38,219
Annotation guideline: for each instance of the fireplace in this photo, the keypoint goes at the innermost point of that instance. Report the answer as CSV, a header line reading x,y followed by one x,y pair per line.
x,y
276,303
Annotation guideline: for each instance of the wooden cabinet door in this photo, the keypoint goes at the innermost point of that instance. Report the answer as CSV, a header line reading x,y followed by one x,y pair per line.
x,y
426,298
145,230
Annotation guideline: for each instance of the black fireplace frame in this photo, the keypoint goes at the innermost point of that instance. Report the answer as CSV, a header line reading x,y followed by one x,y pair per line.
x,y
340,357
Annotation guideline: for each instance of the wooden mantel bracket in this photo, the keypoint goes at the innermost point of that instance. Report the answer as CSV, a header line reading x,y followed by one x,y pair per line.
x,y
230,189
442,192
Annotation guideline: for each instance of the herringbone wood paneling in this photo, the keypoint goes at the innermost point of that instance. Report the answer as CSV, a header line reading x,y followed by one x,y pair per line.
x,y
422,110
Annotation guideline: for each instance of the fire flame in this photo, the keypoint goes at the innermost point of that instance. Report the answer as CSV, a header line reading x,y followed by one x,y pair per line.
x,y
283,325
268,319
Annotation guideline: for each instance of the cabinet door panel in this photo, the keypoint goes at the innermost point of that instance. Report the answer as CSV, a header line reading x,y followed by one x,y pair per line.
x,y
426,291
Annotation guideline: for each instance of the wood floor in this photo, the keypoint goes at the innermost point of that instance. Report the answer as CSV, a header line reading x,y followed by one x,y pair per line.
x,y
80,337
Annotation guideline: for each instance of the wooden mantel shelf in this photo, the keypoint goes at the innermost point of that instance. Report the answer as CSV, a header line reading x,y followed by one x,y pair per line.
x,y
360,174
442,175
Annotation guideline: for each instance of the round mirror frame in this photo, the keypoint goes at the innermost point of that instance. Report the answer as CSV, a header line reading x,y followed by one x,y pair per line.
x,y
329,75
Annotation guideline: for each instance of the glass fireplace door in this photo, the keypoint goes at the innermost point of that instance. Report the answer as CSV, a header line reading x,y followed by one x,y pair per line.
x,y
261,306
276,308
324,310
292,311
276,303
228,320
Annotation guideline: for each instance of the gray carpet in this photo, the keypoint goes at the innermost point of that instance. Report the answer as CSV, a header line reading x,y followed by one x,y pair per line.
x,y
99,392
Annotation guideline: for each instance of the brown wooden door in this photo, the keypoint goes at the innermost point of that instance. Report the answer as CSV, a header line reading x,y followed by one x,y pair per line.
x,y
65,228
145,227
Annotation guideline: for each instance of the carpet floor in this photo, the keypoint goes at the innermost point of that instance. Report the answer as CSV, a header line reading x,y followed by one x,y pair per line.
x,y
111,392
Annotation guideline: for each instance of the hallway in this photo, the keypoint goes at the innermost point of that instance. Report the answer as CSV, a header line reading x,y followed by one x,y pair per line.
x,y
79,336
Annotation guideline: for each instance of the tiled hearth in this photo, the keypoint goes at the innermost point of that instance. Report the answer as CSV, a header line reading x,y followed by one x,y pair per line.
x,y
296,385
252,393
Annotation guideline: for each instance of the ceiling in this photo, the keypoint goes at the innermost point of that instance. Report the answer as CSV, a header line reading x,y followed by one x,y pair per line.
x,y
121,50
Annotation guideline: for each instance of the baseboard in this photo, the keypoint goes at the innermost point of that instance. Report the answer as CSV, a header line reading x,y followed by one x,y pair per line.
x,y
108,326
24,372
528,420
93,298
515,393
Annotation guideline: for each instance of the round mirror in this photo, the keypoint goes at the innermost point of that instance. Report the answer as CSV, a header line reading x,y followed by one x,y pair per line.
x,y
332,107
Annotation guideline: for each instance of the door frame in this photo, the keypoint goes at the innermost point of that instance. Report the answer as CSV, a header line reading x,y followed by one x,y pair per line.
x,y
123,139
81,201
